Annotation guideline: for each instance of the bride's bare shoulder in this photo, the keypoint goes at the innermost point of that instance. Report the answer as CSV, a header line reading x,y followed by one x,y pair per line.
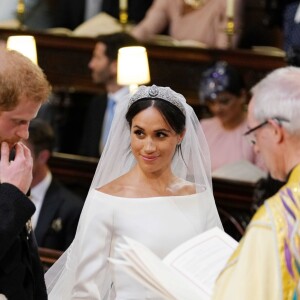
x,y
116,187
110,188
184,187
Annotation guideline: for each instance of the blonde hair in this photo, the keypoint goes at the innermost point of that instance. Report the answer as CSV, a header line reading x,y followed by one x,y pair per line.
x,y
19,77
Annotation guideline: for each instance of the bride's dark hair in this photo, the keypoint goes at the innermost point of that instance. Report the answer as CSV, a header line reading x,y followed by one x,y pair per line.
x,y
172,114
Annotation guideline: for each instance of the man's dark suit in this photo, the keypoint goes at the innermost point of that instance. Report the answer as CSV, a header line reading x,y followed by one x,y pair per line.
x,y
92,127
58,218
21,273
70,13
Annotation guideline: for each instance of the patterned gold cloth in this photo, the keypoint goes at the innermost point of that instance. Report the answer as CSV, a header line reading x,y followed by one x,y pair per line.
x,y
266,263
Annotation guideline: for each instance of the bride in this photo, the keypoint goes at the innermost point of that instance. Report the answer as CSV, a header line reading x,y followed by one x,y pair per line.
x,y
152,184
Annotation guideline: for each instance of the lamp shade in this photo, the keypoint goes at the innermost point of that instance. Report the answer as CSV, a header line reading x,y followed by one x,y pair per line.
x,y
133,67
25,44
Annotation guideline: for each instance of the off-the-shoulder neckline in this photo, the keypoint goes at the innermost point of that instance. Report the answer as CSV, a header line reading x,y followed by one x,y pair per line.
x,y
155,197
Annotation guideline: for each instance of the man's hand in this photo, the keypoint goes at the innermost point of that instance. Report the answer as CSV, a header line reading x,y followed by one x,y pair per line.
x,y
17,172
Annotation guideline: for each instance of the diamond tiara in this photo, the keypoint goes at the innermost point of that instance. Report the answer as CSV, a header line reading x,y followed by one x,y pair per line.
x,y
158,92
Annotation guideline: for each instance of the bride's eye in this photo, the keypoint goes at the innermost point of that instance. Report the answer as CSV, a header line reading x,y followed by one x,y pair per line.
x,y
139,133
161,134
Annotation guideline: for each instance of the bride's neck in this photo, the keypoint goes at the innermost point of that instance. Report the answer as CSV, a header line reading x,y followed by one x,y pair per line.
x,y
158,181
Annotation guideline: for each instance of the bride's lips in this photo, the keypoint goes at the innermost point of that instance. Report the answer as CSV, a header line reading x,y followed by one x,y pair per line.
x,y
149,158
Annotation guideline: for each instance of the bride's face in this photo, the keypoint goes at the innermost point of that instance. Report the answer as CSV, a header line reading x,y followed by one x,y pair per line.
x,y
153,141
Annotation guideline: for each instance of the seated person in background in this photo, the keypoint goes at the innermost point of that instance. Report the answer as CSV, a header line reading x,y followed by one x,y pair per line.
x,y
57,209
202,21
266,263
222,89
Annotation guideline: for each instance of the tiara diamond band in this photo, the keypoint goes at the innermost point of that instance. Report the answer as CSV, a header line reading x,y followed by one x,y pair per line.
x,y
158,92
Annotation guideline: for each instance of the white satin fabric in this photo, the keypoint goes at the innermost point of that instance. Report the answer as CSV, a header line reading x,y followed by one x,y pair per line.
x,y
160,223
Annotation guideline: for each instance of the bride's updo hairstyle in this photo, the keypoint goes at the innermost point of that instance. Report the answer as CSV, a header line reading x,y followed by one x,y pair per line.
x,y
165,100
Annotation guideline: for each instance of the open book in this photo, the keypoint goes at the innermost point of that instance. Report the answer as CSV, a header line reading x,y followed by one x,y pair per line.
x,y
188,272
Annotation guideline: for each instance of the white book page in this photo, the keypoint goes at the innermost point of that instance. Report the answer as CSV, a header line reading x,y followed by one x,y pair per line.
x,y
141,275
202,258
155,273
188,272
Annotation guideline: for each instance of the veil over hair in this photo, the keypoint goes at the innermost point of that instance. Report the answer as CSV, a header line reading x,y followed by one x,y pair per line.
x,y
117,159
192,164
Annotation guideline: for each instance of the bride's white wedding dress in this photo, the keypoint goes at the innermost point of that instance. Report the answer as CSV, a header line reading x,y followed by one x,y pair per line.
x,y
160,223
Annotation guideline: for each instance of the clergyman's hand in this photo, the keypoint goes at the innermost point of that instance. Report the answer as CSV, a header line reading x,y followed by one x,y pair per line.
x,y
17,172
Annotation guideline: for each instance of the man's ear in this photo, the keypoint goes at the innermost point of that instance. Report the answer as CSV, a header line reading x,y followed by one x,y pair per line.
x,y
114,67
43,156
277,130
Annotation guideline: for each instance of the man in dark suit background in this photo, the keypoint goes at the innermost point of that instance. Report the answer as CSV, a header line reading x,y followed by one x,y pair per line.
x,y
103,66
57,208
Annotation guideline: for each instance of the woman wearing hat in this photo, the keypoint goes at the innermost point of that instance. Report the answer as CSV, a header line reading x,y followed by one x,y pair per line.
x,y
222,89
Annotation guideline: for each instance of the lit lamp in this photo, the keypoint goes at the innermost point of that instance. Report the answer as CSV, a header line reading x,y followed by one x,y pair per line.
x,y
133,67
25,44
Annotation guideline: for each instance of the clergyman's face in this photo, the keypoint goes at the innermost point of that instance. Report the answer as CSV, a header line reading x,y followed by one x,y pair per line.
x,y
265,144
14,123
153,141
100,65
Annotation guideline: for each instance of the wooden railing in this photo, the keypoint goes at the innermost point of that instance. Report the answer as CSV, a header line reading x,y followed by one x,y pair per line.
x,y
75,171
48,257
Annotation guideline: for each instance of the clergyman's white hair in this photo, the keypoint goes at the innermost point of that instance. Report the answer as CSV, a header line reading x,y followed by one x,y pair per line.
x,y
278,96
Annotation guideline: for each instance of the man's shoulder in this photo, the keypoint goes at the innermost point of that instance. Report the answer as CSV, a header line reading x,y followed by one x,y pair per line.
x,y
65,194
262,213
287,196
287,199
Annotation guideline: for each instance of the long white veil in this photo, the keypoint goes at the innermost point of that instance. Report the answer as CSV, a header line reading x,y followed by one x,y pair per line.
x,y
193,165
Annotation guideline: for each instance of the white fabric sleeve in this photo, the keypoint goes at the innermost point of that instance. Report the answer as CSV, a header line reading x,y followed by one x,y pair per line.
x,y
94,246
83,271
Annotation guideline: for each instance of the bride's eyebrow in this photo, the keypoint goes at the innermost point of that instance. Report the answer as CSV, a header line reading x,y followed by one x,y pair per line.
x,y
157,130
137,127
162,130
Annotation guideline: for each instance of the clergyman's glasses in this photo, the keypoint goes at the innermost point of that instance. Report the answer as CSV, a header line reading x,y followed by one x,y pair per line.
x,y
249,133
